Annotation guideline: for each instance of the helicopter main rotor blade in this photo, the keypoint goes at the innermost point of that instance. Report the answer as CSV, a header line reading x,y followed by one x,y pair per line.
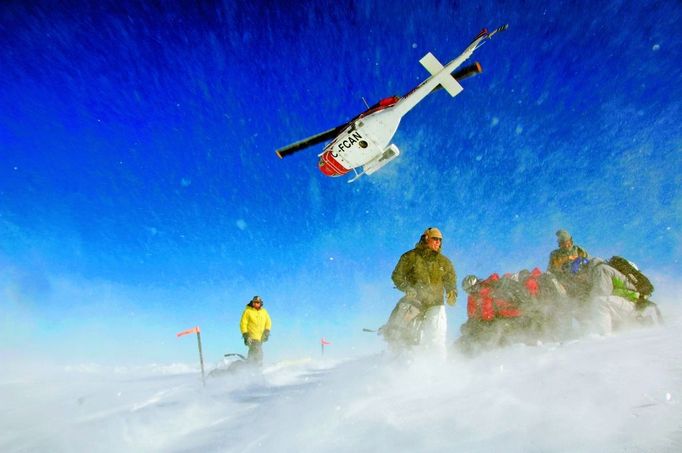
x,y
310,141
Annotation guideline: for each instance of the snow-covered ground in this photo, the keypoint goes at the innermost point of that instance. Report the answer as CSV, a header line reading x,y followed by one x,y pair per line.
x,y
598,394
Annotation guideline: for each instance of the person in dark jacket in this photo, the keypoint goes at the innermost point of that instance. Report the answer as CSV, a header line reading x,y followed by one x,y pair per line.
x,y
560,258
424,274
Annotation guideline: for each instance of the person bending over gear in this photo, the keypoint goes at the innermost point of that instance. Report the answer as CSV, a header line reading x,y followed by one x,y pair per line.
x,y
560,258
255,326
612,299
423,274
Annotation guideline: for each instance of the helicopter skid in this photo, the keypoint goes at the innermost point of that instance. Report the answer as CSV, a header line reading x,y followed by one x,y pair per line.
x,y
390,153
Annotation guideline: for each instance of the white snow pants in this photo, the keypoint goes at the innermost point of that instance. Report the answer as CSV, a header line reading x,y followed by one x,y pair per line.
x,y
434,331
611,311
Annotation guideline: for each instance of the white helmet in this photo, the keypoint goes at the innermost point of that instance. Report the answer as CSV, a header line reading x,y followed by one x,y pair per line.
x,y
469,282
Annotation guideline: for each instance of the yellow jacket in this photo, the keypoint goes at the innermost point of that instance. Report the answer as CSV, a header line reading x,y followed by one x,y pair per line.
x,y
254,322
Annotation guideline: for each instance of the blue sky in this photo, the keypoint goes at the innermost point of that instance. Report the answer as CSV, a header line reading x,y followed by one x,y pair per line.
x,y
140,194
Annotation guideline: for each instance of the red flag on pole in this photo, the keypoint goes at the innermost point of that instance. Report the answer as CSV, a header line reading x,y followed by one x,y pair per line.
x,y
189,331
323,341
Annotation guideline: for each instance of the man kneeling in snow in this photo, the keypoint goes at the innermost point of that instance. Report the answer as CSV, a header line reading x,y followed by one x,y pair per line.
x,y
612,299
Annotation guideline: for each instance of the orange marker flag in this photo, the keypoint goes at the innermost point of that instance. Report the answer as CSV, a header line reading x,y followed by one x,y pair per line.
x,y
323,341
189,331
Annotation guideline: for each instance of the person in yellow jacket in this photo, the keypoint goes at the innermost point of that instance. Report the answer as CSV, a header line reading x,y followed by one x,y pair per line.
x,y
255,326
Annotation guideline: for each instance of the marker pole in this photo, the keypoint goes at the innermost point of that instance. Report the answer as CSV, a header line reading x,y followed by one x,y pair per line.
x,y
196,330
201,358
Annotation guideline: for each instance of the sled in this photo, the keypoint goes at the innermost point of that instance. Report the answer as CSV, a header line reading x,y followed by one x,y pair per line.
x,y
232,363
410,325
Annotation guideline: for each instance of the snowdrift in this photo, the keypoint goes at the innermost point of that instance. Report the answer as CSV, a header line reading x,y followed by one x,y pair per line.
x,y
601,394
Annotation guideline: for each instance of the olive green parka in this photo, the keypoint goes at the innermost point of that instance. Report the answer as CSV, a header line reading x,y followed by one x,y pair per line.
x,y
427,273
561,257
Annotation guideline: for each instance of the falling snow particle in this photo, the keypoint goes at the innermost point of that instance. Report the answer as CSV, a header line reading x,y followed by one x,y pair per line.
x,y
656,47
519,129
241,224
479,157
668,397
414,45
184,182
494,121
331,258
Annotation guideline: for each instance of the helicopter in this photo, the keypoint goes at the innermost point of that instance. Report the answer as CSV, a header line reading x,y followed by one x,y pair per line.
x,y
365,140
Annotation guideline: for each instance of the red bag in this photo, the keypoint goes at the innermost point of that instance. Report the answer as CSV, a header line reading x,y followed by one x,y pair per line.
x,y
484,305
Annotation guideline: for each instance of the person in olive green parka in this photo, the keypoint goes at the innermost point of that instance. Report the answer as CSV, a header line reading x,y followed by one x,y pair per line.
x,y
424,273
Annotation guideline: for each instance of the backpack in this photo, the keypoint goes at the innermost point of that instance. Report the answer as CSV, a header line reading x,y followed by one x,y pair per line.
x,y
404,323
625,267
494,298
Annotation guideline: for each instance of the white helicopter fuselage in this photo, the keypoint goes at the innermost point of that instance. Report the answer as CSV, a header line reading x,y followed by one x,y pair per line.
x,y
365,142
364,139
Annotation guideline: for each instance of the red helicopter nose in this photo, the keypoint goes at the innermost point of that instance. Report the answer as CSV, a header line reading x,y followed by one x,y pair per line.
x,y
330,166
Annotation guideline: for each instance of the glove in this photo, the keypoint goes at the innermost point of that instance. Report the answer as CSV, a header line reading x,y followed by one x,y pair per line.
x,y
247,340
266,335
452,297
